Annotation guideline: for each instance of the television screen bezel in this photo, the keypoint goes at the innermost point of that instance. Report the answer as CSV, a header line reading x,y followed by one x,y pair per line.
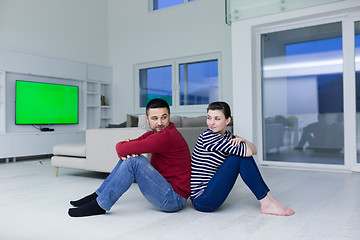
x,y
60,84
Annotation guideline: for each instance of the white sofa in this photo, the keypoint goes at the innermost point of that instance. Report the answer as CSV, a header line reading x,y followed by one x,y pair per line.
x,y
98,153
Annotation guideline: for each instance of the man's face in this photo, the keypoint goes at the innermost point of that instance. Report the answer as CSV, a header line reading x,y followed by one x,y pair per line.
x,y
158,118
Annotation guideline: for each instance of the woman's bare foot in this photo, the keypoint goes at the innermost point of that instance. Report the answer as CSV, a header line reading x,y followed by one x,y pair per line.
x,y
270,206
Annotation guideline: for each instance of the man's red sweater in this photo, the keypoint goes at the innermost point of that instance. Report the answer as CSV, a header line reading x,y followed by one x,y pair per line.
x,y
170,156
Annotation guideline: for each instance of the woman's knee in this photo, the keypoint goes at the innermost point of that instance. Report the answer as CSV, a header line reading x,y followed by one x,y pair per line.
x,y
204,205
204,208
237,159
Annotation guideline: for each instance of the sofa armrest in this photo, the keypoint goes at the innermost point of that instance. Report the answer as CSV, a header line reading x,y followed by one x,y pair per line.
x,y
100,146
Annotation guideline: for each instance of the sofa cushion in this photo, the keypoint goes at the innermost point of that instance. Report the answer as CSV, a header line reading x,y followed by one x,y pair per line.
x,y
71,149
68,162
143,123
121,125
132,120
194,121
176,119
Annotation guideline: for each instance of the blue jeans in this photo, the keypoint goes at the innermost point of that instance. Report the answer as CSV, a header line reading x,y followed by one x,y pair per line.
x,y
152,185
220,185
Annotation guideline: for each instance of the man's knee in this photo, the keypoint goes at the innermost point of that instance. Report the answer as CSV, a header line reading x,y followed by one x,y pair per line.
x,y
133,163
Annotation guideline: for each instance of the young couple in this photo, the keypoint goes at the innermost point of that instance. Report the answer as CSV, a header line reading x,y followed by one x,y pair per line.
x,y
165,180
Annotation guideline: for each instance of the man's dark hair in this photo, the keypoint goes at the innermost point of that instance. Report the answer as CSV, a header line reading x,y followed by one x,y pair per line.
x,y
157,103
223,106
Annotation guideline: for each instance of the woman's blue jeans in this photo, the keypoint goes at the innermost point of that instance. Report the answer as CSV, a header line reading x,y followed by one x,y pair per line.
x,y
224,179
152,185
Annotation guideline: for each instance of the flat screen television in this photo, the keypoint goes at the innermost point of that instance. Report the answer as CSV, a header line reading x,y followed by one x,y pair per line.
x,y
38,103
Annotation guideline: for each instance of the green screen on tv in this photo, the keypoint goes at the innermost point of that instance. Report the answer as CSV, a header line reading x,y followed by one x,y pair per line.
x,y
45,103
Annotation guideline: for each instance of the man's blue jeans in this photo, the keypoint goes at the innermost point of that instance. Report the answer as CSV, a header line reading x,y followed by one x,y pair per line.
x,y
152,185
224,179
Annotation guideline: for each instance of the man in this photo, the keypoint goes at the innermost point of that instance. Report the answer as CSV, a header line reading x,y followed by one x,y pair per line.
x,y
164,181
315,134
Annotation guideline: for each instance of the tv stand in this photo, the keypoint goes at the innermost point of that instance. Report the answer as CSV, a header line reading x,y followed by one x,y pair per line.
x,y
36,143
46,129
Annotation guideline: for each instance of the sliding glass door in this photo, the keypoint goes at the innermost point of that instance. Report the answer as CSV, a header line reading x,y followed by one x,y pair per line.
x,y
357,77
302,95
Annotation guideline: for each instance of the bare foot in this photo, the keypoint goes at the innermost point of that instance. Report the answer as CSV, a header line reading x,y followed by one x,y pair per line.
x,y
270,206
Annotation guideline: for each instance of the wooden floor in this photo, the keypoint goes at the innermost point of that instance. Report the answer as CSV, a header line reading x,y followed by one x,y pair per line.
x,y
34,205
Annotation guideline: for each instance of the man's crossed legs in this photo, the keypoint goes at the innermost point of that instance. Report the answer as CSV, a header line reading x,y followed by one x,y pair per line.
x,y
152,185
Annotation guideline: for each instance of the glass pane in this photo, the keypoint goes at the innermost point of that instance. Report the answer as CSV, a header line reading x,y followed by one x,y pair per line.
x,y
155,83
198,82
159,4
357,74
302,83
237,10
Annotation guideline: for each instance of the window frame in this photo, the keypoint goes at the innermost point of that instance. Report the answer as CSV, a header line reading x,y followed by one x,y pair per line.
x,y
175,64
151,5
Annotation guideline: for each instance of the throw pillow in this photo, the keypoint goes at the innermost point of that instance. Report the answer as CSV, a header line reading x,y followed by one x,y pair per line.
x,y
176,119
194,121
121,125
143,123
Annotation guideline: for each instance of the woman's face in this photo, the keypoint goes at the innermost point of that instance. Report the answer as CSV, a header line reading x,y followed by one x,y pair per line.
x,y
216,121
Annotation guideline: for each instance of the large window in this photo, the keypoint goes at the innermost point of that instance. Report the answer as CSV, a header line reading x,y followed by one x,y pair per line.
x,y
198,83
185,82
302,84
155,83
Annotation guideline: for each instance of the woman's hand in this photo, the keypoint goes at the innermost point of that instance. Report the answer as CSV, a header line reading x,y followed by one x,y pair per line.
x,y
250,147
236,141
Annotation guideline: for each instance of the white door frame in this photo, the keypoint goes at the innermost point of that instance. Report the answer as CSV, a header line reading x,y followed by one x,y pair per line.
x,y
351,130
350,151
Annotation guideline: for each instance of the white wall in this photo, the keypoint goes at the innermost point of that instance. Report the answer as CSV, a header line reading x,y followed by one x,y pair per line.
x,y
66,29
119,34
57,38
139,36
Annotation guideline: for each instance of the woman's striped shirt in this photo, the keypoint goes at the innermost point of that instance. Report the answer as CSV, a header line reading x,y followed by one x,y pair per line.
x,y
209,153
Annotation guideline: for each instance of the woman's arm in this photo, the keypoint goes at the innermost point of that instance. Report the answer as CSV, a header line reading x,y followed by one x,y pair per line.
x,y
214,142
250,147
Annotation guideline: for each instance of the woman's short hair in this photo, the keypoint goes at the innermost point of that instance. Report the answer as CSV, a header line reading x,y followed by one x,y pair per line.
x,y
222,106
157,103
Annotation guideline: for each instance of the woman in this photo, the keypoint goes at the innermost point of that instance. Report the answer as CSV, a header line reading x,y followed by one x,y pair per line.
x,y
218,158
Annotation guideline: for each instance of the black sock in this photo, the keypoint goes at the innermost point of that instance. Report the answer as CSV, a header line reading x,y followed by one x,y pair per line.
x,y
89,209
84,200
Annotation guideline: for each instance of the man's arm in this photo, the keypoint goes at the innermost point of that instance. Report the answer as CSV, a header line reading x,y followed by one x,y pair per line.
x,y
128,156
119,145
147,143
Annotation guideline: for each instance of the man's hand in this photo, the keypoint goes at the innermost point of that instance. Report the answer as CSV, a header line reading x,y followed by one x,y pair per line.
x,y
128,156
